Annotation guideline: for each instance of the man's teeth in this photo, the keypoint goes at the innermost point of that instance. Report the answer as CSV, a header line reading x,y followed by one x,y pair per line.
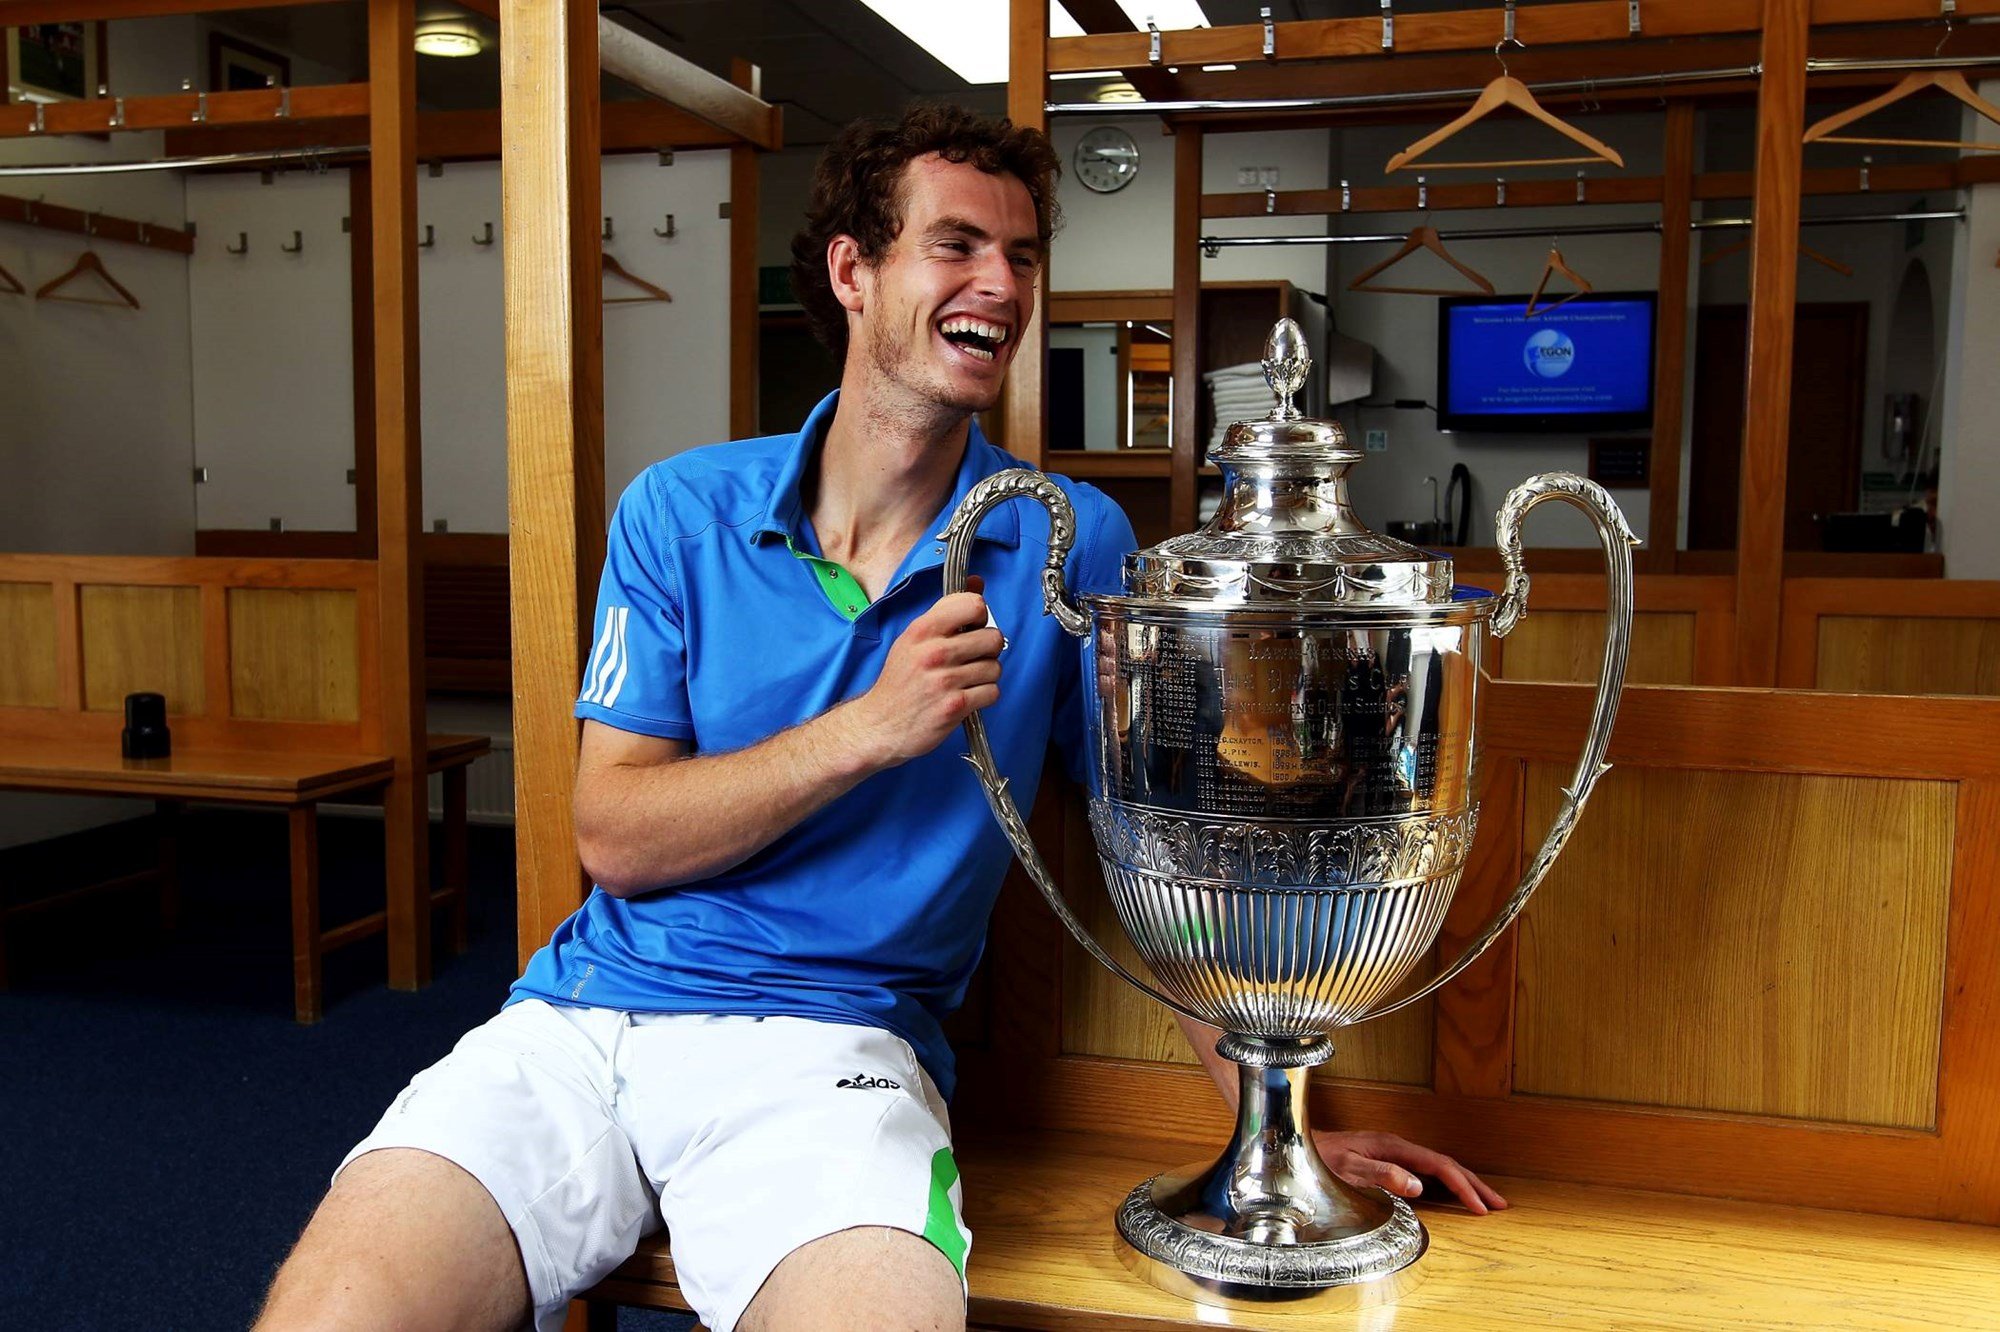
x,y
994,333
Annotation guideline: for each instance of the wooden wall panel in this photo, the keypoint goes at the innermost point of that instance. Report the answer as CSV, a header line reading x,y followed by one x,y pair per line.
x,y
139,638
27,645
1568,646
1766,943
1906,655
293,655
1102,1015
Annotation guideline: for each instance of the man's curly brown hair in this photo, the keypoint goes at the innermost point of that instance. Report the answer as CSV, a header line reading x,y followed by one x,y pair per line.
x,y
857,191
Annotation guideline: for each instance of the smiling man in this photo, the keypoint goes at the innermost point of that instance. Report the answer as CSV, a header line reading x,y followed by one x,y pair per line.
x,y
739,1032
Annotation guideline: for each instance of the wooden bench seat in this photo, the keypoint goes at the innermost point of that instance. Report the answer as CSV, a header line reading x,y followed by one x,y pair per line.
x,y
1045,1256
295,782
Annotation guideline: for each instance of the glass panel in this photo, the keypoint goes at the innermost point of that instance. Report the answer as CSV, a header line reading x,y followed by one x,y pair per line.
x,y
1110,386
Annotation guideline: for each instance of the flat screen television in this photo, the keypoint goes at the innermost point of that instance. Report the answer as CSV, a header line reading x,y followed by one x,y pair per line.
x,y
1585,365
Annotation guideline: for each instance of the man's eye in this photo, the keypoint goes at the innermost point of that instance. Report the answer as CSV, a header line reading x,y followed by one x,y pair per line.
x,y
1025,262
957,247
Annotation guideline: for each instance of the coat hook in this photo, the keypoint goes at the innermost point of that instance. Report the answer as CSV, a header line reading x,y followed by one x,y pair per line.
x,y
485,237
144,234
609,231
200,115
298,244
242,245
117,113
671,231
89,223
284,102
430,237
37,125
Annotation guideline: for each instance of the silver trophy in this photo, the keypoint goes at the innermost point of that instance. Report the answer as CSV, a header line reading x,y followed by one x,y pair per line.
x,y
1283,714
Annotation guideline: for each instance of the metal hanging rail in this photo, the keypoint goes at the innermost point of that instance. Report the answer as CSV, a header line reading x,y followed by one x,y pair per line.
x,y
1558,87
317,158
1213,245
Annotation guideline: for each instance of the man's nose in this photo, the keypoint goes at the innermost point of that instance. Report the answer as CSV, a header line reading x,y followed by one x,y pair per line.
x,y
996,279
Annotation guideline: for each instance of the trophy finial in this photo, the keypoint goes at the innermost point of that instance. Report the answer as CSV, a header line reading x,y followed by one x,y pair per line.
x,y
1286,364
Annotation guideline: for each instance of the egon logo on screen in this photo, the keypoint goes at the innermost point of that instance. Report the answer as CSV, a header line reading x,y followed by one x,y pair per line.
x,y
1549,353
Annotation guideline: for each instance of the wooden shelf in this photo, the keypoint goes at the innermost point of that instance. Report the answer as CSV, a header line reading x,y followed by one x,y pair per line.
x,y
1087,463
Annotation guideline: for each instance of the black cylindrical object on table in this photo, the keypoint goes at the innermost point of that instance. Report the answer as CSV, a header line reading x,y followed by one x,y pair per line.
x,y
146,735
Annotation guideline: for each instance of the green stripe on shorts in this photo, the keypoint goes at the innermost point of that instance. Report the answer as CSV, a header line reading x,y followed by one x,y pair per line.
x,y
941,1224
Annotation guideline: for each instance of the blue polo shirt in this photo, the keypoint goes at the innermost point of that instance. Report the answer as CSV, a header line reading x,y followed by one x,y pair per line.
x,y
711,629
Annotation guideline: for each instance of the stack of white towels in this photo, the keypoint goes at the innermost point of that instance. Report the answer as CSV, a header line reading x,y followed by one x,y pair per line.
x,y
1238,393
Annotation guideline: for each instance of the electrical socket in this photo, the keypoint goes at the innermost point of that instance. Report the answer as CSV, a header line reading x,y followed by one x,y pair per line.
x,y
1267,177
1246,175
1376,440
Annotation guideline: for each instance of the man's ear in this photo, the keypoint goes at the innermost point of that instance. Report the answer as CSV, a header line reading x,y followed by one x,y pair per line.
x,y
847,271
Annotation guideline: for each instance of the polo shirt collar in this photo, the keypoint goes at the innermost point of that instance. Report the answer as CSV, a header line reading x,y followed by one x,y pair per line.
x,y
784,513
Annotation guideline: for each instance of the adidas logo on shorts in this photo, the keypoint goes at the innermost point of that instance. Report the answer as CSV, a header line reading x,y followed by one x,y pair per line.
x,y
864,1080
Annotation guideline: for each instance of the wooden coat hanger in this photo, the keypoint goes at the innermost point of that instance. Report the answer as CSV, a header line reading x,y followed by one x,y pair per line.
x,y
10,285
1949,80
1422,238
1554,266
87,262
615,269
1807,251
1506,91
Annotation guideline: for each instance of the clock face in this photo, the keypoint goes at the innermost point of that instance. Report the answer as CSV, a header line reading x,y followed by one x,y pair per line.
x,y
1107,159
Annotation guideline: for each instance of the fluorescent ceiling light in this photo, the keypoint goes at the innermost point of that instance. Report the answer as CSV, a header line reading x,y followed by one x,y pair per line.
x,y
447,39
968,37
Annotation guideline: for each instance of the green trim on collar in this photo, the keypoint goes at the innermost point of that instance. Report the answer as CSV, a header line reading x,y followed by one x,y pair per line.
x,y
843,590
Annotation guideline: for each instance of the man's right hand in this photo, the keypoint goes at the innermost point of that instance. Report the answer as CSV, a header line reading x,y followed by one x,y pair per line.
x,y
944,667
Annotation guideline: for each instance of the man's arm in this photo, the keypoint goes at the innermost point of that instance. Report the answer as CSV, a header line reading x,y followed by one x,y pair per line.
x,y
649,816
1382,1160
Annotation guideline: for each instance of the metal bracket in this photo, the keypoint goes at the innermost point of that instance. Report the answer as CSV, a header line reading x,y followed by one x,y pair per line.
x,y
145,234
1346,197
285,103
346,226
722,209
1153,43
267,177
1270,34
1866,161
485,237
200,116
1388,25
117,112
666,157
298,244
440,525
277,524
610,231
1632,17
89,223
201,476
242,245
436,167
1946,8
1209,248
1507,36
350,476
1270,200
430,237
1579,186
1423,193
1500,192
38,125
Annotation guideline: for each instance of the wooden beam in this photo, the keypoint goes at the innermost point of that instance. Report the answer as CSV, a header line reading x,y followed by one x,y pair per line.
x,y
54,217
1774,245
1670,346
1155,85
1187,449
1543,25
399,481
654,69
555,425
459,136
1024,414
743,330
177,111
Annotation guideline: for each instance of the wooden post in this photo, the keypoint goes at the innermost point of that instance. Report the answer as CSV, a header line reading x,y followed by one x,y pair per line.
x,y
1670,351
744,332
399,477
1774,247
551,190
1187,327
1024,421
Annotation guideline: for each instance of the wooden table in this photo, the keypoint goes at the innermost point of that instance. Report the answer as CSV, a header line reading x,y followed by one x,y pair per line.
x,y
1045,1256
295,782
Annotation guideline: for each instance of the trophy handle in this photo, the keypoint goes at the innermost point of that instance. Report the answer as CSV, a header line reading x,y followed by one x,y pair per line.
x,y
1616,537
989,494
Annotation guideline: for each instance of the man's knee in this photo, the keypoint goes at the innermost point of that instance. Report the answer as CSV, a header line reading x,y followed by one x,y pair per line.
x,y
870,1278
403,1239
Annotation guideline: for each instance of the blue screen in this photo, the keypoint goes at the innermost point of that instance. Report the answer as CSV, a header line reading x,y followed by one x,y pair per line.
x,y
1584,358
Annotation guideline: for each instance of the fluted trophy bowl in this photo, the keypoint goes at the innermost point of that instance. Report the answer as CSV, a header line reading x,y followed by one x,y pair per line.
x,y
1283,717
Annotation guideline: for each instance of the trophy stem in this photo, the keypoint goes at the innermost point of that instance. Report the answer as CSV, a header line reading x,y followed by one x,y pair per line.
x,y
1268,1220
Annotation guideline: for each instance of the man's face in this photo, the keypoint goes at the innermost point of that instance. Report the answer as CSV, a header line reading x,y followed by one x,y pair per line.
x,y
943,310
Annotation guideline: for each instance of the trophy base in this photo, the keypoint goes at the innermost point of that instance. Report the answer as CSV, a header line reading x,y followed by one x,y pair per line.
x,y
1346,1249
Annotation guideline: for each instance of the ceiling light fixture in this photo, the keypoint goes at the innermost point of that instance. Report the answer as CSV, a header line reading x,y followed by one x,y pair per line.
x,y
446,39
968,37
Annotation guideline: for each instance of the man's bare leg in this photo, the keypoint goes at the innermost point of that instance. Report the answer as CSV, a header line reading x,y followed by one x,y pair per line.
x,y
869,1279
404,1239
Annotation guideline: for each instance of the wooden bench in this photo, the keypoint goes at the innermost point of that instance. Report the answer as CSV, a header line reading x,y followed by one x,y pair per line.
x,y
1045,1256
294,782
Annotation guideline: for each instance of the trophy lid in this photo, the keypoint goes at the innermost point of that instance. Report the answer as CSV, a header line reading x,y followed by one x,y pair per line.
x,y
1285,535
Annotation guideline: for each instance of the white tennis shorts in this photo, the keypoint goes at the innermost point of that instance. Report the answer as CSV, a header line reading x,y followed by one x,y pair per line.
x,y
748,1137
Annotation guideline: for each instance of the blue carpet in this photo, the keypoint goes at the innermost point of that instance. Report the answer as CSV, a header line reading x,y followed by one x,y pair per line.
x,y
165,1127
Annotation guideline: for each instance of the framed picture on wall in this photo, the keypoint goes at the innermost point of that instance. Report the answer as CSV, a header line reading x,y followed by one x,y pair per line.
x,y
55,62
234,65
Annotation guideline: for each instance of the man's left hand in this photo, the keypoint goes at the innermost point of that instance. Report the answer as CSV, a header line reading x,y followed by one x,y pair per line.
x,y
1386,1161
